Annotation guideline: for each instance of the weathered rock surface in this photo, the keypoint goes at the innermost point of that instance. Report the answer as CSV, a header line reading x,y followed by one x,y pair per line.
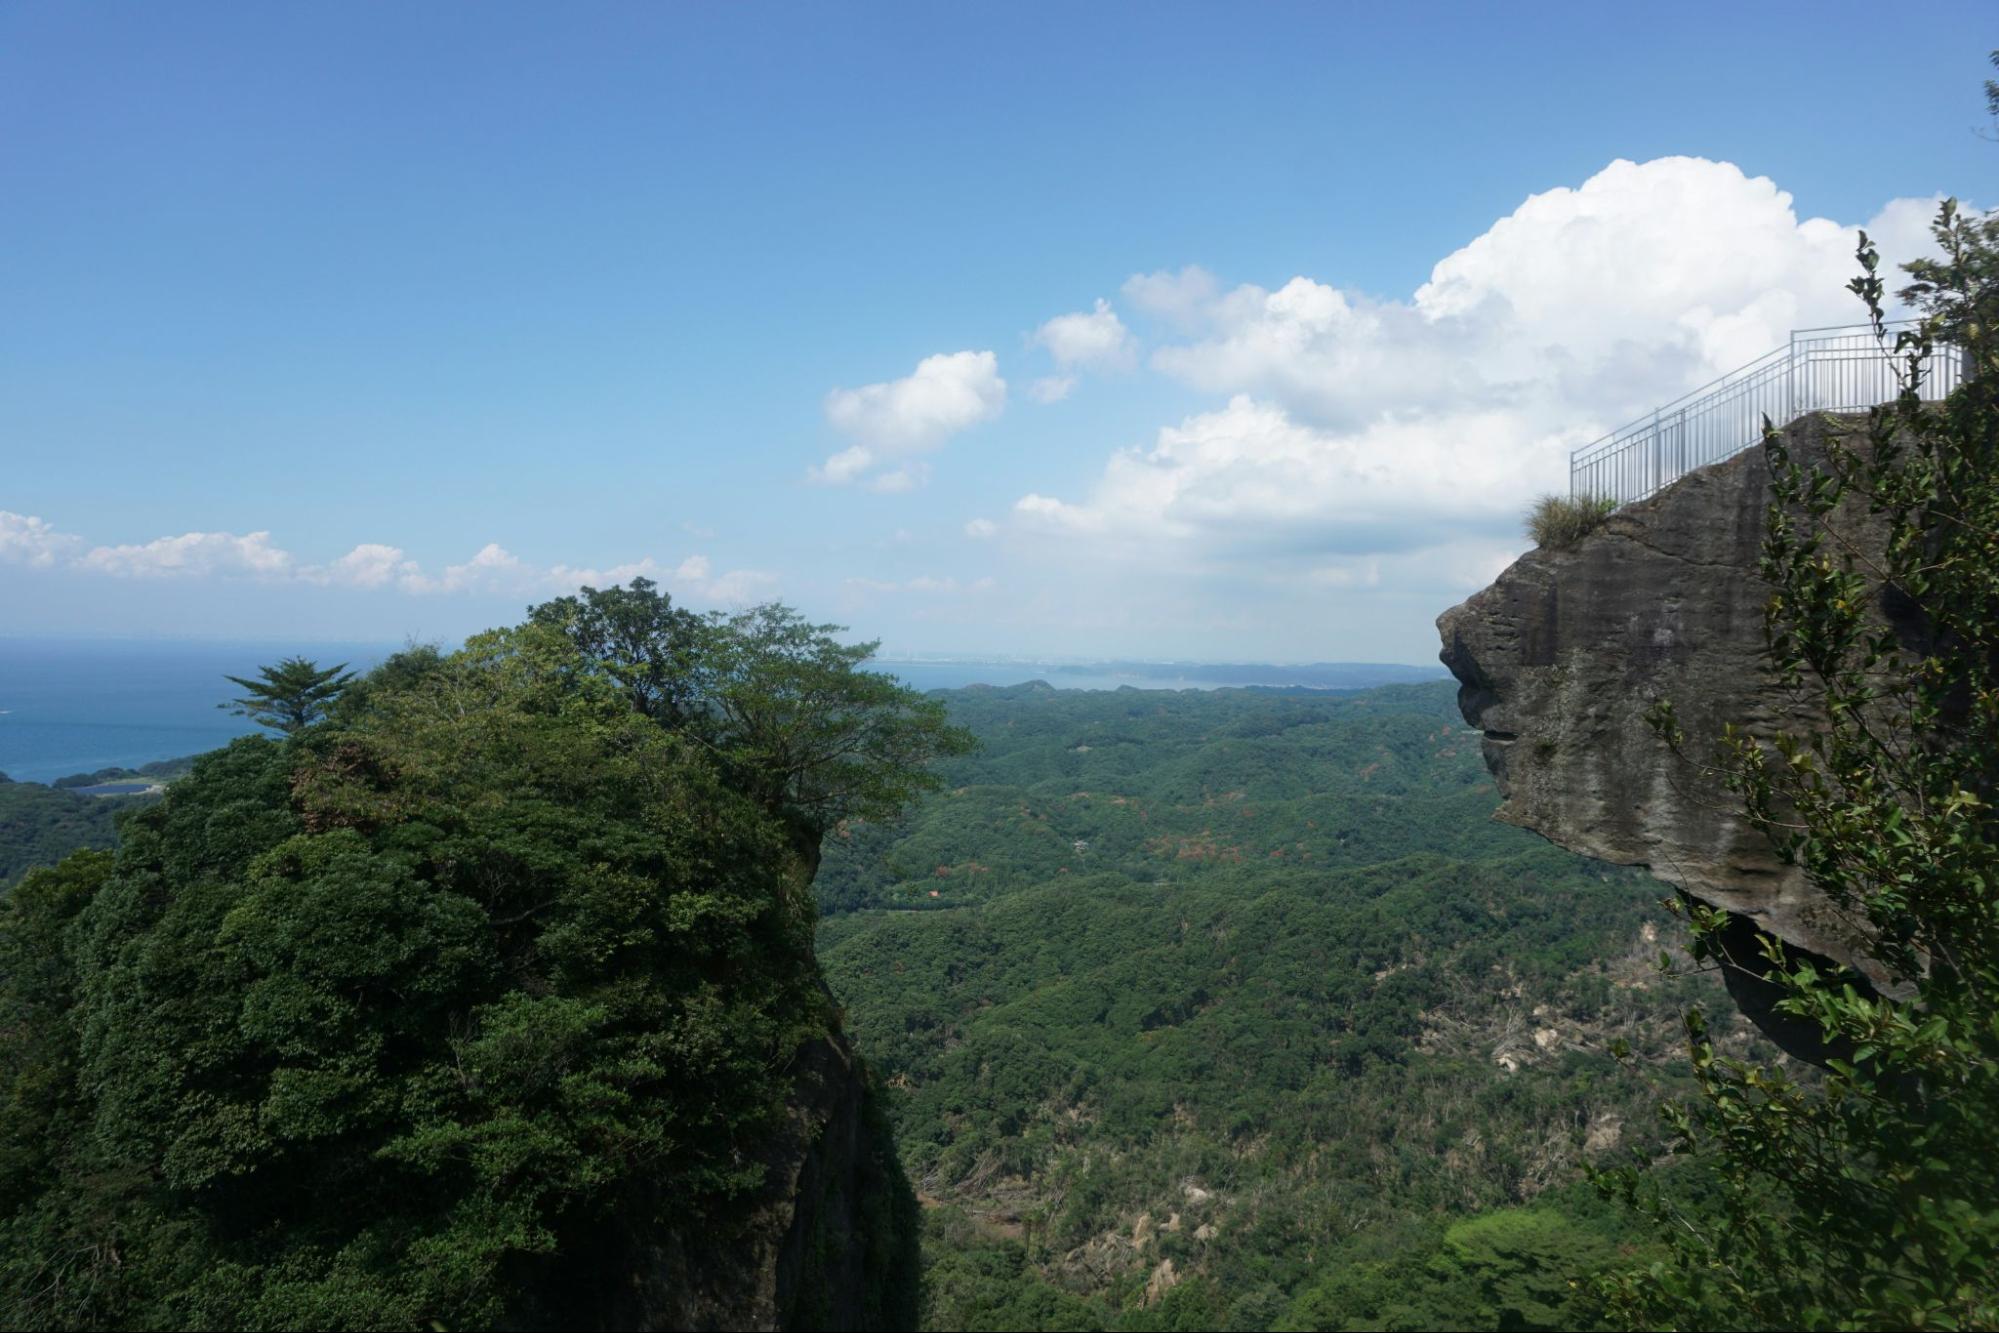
x,y
830,1240
1561,658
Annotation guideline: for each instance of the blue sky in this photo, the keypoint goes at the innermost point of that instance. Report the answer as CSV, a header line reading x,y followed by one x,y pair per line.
x,y
357,322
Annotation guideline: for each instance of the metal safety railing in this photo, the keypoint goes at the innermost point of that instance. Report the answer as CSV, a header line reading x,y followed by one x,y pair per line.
x,y
1845,369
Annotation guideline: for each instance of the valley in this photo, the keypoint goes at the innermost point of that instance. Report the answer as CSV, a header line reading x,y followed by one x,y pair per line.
x,y
1199,1008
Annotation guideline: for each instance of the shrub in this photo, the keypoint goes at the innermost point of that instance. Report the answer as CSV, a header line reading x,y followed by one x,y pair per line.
x,y
1557,521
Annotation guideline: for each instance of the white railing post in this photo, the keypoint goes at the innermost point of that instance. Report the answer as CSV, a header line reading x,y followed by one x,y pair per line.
x,y
1791,380
1658,444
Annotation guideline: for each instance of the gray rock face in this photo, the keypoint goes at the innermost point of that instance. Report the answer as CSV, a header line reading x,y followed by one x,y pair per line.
x,y
830,1239
828,1242
1561,658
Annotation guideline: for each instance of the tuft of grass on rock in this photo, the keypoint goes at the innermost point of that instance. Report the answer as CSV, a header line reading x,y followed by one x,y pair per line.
x,y
1557,521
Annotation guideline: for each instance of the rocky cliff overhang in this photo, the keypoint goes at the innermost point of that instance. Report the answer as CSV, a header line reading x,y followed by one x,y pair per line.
x,y
1560,660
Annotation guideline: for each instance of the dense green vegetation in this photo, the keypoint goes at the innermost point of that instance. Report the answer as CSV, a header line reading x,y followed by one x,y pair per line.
x,y
41,825
1201,1009
1236,1009
475,1003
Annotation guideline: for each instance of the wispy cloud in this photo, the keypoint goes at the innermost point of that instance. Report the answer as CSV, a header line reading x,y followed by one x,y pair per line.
x,y
33,542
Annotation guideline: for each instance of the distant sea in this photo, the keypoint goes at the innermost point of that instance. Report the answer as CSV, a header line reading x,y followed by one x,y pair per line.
x,y
80,705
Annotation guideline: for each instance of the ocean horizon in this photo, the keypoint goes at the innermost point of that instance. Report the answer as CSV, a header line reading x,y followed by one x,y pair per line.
x,y
80,705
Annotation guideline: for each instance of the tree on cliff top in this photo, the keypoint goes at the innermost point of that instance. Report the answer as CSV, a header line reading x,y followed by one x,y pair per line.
x,y
783,706
290,696
1871,1201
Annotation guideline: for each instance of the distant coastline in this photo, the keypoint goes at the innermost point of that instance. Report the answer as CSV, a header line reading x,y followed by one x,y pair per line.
x,y
932,673
75,706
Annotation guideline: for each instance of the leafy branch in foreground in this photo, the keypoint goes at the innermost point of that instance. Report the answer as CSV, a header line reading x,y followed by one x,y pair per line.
x,y
1871,1201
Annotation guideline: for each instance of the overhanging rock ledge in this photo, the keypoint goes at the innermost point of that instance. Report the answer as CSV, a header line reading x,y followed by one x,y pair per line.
x,y
1561,658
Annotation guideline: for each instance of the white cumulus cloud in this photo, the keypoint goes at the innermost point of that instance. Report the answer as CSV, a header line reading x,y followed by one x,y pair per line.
x,y
193,554
1598,301
27,540
894,420
1093,339
369,565
1364,440
1251,481
492,570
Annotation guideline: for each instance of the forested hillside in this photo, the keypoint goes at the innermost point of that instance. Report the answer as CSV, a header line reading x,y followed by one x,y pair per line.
x,y
1196,1009
481,996
1235,1009
40,825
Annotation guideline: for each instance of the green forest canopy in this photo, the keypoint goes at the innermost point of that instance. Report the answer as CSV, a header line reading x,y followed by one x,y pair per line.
x,y
1249,982
445,1009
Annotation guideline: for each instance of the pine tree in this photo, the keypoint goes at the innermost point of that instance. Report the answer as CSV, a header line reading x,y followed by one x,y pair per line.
x,y
291,696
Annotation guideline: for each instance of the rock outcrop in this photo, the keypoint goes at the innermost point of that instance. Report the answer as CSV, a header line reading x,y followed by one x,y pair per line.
x,y
830,1240
1560,660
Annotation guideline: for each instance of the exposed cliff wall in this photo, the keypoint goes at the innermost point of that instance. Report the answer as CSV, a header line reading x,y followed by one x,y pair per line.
x,y
830,1242
1560,659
